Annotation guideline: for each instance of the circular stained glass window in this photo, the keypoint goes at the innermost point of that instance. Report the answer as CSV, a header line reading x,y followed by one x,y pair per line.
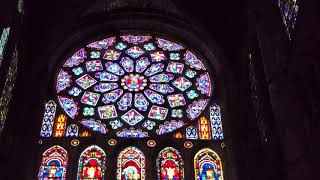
x,y
133,86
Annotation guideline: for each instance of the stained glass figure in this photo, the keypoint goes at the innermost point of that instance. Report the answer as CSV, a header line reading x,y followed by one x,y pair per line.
x,y
170,165
131,164
54,164
48,119
60,126
134,85
216,123
204,128
92,164
289,12
207,165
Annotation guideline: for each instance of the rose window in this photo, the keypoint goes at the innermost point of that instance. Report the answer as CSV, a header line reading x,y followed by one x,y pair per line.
x,y
133,86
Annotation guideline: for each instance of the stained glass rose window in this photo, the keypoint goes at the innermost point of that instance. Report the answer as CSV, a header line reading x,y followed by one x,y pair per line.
x,y
133,86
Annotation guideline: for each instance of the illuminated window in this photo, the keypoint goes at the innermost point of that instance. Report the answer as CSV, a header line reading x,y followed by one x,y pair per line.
x,y
48,119
170,165
216,123
204,128
207,165
60,126
131,164
92,164
3,42
134,86
54,164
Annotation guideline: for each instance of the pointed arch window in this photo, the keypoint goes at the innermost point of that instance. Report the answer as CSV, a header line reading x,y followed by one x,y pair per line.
x,y
54,164
131,164
207,165
92,164
170,165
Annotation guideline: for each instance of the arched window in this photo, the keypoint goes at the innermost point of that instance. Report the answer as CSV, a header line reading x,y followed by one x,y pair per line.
x,y
170,165
92,163
131,164
48,119
54,164
207,165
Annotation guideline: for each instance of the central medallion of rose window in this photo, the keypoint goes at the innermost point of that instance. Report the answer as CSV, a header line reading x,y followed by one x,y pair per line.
x,y
133,82
133,86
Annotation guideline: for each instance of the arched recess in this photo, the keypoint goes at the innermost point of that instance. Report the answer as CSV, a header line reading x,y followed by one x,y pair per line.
x,y
207,165
54,164
131,164
92,163
170,164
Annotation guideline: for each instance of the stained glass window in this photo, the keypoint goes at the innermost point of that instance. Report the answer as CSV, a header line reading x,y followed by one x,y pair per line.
x,y
54,164
92,164
72,130
133,86
216,123
289,12
170,165
131,164
191,132
48,119
204,128
60,126
207,165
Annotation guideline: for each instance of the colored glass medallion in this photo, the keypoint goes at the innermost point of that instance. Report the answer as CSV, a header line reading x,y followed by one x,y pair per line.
x,y
161,78
94,125
104,87
64,80
195,109
177,113
135,52
140,102
121,46
94,66
90,98
76,59
158,56
190,73
105,76
115,124
77,71
75,91
125,101
133,82
132,117
132,133
169,126
95,54
69,106
111,55
142,64
175,56
192,94
102,44
114,68
193,61
176,100
88,111
148,124
149,47
154,97
191,132
135,39
127,64
112,96
203,84
168,45
86,81
154,69
182,83
162,88
158,113
175,67
107,112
